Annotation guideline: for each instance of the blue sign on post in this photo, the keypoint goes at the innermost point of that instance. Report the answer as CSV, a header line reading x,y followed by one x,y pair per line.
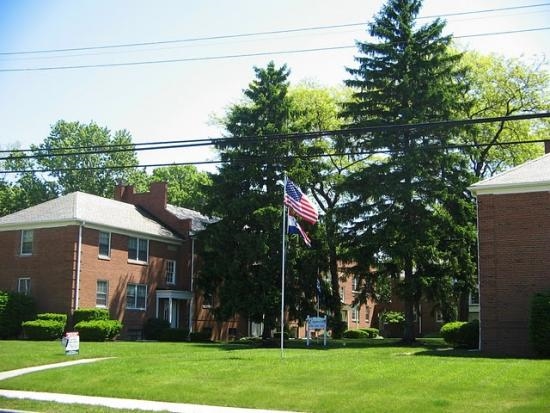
x,y
316,323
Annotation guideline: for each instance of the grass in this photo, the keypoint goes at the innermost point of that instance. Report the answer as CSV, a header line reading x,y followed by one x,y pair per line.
x,y
363,375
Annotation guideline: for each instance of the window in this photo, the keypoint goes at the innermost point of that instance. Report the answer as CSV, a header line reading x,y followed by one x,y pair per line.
x,y
438,316
170,275
342,297
24,285
26,242
138,249
355,314
355,284
136,296
208,301
101,294
474,297
104,244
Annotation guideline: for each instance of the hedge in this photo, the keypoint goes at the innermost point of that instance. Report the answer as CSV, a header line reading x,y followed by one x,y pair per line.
x,y
14,309
98,330
361,333
43,329
539,323
461,333
154,328
62,318
175,334
89,314
200,336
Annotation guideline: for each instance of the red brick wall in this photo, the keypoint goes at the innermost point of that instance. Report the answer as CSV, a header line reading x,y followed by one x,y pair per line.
x,y
51,266
514,263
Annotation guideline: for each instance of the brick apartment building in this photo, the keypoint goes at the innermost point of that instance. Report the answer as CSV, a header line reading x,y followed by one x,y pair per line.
x,y
133,255
514,262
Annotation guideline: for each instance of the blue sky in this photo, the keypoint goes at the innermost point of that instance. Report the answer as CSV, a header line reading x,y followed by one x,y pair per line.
x,y
159,102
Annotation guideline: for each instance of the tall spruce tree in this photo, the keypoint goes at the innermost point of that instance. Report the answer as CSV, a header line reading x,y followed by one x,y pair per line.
x,y
399,212
242,251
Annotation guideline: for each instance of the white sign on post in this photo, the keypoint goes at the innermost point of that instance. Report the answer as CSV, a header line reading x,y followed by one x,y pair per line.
x,y
71,342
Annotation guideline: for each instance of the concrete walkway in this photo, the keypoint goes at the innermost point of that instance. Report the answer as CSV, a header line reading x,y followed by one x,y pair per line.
x,y
112,402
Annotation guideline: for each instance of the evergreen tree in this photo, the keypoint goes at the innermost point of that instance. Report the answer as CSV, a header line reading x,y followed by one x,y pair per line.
x,y
399,211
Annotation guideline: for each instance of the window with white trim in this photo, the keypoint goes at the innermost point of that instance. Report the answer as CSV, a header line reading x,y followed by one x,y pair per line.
x,y
102,293
138,249
355,284
342,297
104,244
136,296
170,274
24,285
355,314
27,236
474,297
438,316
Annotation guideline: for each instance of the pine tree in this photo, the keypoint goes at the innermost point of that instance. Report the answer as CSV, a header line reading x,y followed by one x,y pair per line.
x,y
398,210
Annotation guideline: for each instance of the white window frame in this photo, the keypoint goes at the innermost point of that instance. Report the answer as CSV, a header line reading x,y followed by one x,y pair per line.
x,y
24,285
355,284
438,316
25,242
108,255
99,294
170,273
139,242
133,296
355,314
342,294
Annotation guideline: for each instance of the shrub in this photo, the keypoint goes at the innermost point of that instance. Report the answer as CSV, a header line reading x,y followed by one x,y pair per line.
x,y
43,329
539,323
461,333
372,332
392,317
154,328
98,330
14,309
355,333
90,314
277,336
174,334
62,318
200,336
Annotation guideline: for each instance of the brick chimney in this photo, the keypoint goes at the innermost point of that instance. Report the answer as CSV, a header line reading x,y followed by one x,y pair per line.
x,y
154,202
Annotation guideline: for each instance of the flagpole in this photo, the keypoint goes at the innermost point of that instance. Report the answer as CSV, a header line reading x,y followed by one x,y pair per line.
x,y
283,259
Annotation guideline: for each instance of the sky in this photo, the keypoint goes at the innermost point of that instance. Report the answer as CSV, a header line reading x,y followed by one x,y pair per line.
x,y
179,99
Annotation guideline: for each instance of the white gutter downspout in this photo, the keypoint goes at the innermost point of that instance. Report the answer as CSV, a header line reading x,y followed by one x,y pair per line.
x,y
191,302
78,265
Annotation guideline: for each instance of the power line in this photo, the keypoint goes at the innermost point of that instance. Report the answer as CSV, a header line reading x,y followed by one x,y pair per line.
x,y
253,34
300,136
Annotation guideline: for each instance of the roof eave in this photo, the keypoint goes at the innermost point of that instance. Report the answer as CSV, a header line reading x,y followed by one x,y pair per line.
x,y
509,188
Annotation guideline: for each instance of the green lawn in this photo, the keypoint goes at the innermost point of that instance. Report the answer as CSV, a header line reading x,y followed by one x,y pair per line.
x,y
375,375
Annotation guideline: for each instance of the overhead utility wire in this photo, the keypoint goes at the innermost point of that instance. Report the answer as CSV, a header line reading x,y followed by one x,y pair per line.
x,y
231,141
234,56
238,35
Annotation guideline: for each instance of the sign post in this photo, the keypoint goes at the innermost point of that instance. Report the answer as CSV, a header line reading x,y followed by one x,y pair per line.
x,y
316,323
71,342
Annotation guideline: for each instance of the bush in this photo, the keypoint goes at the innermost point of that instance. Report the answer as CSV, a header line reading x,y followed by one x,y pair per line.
x,y
174,334
200,336
98,330
539,323
14,309
62,318
355,333
372,332
461,333
154,328
43,329
90,314
392,317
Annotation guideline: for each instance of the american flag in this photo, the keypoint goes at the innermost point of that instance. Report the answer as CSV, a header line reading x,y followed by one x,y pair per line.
x,y
300,204
295,228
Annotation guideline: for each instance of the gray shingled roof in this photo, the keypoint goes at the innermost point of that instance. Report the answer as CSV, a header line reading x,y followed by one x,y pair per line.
x,y
198,221
91,210
532,176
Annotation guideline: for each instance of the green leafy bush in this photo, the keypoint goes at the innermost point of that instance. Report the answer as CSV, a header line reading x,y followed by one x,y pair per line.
x,y
62,318
355,333
200,336
98,330
461,333
392,317
154,328
539,323
43,329
89,314
175,334
14,309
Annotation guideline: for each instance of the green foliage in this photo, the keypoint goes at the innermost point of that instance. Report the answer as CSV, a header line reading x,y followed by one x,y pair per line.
x,y
392,317
98,330
361,333
277,336
154,328
62,318
200,336
539,323
177,335
43,329
90,314
461,334
14,309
